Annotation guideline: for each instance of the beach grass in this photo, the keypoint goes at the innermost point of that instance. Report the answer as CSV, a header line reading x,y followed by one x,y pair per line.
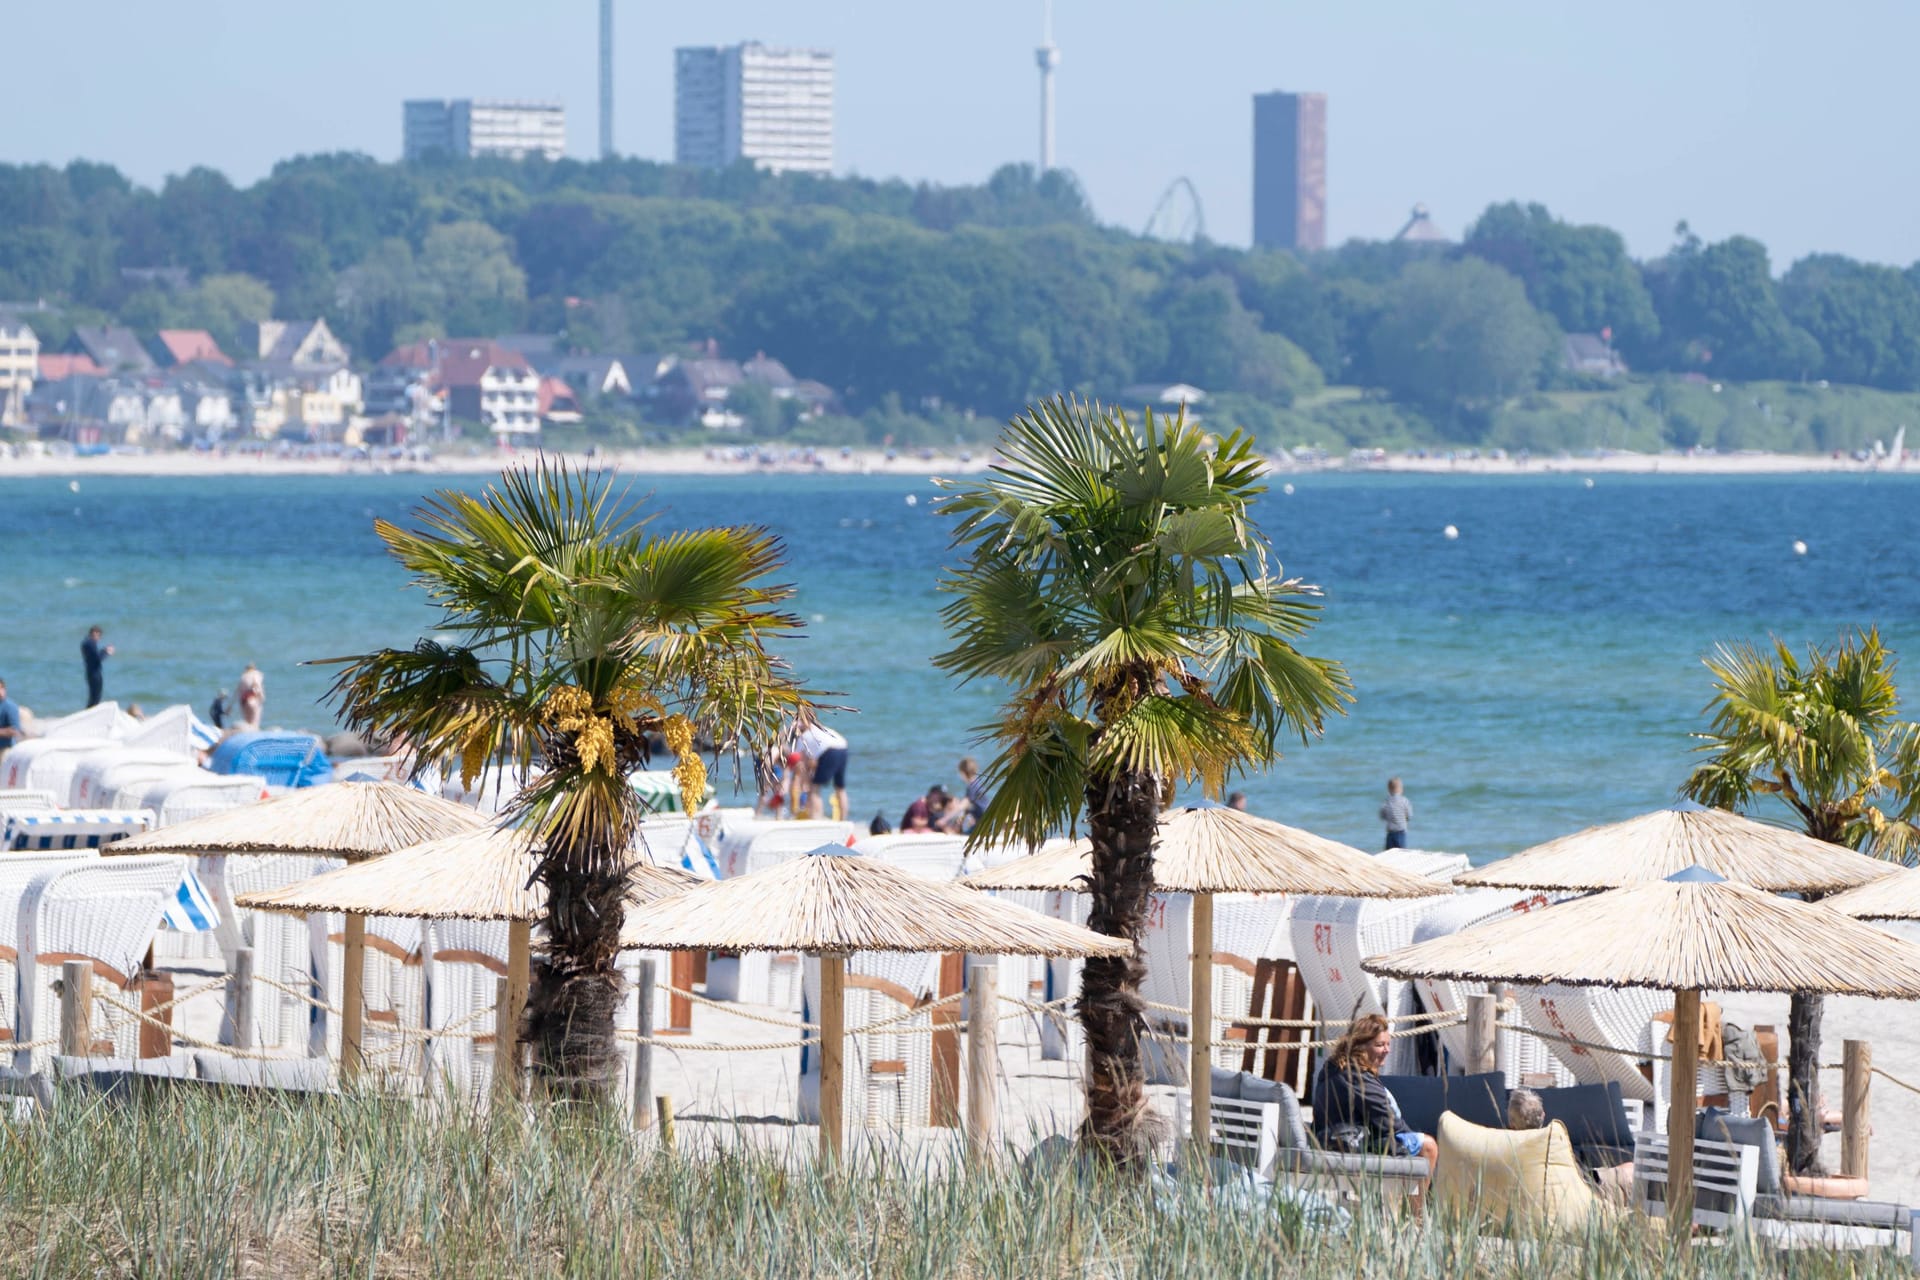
x,y
192,1185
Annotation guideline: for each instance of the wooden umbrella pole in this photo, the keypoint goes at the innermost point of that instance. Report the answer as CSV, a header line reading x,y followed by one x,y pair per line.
x,y
1200,1025
1681,1106
352,995
833,1004
519,981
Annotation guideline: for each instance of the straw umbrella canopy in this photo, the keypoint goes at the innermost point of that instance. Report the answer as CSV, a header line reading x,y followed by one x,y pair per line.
x,y
1891,897
1208,849
1691,932
483,874
1655,845
350,820
830,903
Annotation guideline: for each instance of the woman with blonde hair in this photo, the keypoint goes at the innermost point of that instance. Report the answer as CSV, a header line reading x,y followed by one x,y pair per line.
x,y
1352,1110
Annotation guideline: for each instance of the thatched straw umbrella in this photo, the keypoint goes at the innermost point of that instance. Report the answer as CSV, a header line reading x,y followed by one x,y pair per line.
x,y
1207,849
831,903
1892,897
350,820
1692,932
486,874
1655,845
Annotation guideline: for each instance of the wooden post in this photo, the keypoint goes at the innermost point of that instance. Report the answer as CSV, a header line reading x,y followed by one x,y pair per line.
x,y
154,989
519,978
679,1008
1856,1065
1682,1104
241,980
1501,994
643,1051
983,1057
352,996
944,1085
1200,1025
663,1105
76,1008
833,1018
1481,1037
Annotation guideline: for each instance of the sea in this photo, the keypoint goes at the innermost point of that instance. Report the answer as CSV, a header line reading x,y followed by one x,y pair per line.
x,y
1536,673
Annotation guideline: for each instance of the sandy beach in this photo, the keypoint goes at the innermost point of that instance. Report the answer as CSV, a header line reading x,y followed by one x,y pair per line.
x,y
738,460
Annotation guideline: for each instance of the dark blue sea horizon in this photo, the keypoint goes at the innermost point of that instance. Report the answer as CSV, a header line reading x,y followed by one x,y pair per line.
x,y
1539,673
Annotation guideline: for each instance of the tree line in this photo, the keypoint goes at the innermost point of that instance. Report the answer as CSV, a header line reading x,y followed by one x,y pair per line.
x,y
973,298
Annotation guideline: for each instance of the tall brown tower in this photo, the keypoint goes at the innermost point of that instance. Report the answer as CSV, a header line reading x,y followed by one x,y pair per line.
x,y
1290,170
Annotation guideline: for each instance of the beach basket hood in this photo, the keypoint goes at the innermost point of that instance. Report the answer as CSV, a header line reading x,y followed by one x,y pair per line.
x,y
1891,897
350,820
486,874
1213,849
833,902
1655,845
1683,935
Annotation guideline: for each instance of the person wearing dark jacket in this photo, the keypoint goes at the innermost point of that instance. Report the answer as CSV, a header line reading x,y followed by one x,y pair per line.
x,y
94,655
1352,1108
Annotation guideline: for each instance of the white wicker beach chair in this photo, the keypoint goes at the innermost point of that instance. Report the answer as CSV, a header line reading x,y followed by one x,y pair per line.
x,y
461,966
1596,1015
677,842
97,775
1524,1055
1061,1037
936,857
103,720
175,729
106,910
889,1073
46,764
284,947
393,989
17,871
71,828
25,800
748,846
1331,936
196,793
378,768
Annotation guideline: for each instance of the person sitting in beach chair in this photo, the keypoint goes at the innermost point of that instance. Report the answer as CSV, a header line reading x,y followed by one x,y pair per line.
x,y
1352,1110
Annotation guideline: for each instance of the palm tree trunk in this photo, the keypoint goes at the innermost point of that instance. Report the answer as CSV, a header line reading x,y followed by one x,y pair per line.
x,y
1803,1084
570,1011
1122,818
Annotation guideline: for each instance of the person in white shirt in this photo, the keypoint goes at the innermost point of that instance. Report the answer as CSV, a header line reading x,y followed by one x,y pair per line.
x,y
826,753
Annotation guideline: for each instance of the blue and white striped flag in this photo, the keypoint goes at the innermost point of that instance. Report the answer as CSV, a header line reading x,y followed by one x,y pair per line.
x,y
190,910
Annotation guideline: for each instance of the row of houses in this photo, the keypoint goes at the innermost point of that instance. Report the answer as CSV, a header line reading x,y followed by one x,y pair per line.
x,y
296,379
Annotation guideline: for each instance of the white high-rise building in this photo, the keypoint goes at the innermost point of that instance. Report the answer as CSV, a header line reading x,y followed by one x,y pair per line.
x,y
771,106
483,127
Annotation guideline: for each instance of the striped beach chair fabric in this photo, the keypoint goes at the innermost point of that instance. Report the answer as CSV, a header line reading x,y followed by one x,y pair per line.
x,y
191,908
72,828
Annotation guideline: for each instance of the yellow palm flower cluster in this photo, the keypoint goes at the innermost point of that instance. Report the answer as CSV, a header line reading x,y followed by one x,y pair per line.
x,y
570,710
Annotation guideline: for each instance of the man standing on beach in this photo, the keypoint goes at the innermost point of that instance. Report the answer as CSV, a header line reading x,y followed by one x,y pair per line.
x,y
826,752
1397,812
95,654
11,730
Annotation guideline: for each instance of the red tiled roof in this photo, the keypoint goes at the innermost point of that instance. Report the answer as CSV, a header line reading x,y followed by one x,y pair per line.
x,y
54,367
463,361
187,345
554,392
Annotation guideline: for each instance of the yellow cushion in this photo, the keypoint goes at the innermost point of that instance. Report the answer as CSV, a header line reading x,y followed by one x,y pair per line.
x,y
1511,1177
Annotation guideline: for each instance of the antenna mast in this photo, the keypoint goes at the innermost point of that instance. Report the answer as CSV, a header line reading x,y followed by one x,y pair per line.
x,y
1046,57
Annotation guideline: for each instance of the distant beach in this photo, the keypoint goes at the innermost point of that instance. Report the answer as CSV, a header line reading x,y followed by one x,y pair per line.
x,y
726,460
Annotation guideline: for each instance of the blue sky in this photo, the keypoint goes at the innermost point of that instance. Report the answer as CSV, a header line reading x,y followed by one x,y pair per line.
x,y
1786,122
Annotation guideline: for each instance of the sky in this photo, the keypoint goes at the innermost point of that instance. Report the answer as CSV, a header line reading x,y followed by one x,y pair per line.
x,y
1789,123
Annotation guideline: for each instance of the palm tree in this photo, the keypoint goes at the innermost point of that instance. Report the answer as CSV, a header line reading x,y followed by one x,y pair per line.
x,y
567,636
1821,737
1116,582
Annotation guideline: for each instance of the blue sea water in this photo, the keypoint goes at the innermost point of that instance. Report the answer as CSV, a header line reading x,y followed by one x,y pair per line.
x,y
1537,674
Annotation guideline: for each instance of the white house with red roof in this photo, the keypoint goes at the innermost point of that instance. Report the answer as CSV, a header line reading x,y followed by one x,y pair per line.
x,y
483,381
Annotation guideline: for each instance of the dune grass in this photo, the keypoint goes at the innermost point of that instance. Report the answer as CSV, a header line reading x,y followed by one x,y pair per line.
x,y
192,1185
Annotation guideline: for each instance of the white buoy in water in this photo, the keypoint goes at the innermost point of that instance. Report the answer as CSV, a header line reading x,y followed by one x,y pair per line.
x,y
913,499
1287,489
1588,482
73,486
1799,547
1450,532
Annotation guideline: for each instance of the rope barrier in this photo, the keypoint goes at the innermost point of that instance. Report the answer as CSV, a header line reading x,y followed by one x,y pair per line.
x,y
1309,1024
1892,1079
727,1006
